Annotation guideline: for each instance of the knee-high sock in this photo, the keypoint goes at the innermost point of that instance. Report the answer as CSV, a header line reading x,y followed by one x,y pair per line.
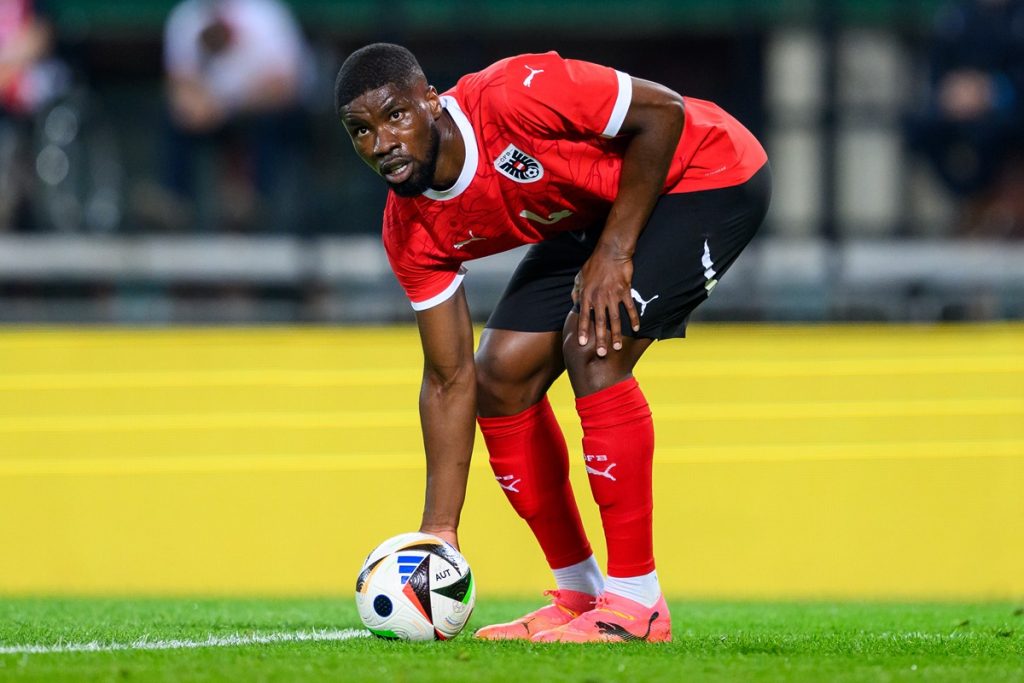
x,y
531,463
618,445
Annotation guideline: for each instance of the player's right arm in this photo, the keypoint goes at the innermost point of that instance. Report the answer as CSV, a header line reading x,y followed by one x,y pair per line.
x,y
447,411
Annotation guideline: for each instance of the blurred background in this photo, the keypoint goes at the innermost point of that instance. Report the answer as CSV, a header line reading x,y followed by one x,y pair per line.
x,y
176,190
188,167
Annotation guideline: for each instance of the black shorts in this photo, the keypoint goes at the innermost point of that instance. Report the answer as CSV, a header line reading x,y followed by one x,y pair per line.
x,y
689,242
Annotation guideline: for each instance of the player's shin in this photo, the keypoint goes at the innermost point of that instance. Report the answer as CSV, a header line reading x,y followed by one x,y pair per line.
x,y
530,461
618,446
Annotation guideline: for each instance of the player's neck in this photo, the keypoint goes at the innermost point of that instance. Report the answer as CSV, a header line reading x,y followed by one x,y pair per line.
x,y
451,155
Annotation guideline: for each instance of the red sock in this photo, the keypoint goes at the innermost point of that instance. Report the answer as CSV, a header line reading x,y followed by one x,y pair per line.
x,y
531,463
618,445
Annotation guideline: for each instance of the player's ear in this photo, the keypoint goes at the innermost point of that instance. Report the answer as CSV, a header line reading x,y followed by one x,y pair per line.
x,y
433,102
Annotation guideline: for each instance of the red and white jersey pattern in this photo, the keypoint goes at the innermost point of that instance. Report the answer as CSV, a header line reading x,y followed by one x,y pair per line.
x,y
542,157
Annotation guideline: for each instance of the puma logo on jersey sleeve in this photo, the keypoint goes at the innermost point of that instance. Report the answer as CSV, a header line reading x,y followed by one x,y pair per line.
x,y
528,81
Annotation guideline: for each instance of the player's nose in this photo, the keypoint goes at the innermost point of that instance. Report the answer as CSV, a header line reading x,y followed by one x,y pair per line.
x,y
385,143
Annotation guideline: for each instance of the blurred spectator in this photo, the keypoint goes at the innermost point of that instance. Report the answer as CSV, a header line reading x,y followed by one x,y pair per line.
x,y
972,130
238,72
30,78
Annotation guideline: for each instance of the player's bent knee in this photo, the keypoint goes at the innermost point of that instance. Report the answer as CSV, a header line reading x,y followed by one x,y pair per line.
x,y
492,366
498,395
577,358
492,383
487,383
588,372
504,388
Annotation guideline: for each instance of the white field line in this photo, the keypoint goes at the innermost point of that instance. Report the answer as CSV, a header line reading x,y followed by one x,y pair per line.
x,y
144,643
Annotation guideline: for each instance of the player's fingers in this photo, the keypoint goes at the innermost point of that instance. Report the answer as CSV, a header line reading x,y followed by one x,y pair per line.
x,y
601,328
576,289
583,320
615,323
634,317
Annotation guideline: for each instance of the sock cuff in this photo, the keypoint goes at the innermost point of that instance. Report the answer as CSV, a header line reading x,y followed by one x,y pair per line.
x,y
570,557
505,425
618,404
630,569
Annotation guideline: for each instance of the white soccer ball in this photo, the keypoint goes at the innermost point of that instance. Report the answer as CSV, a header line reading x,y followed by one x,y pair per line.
x,y
415,587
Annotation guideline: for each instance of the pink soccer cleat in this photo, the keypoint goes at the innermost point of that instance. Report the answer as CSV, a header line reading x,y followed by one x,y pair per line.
x,y
565,606
614,619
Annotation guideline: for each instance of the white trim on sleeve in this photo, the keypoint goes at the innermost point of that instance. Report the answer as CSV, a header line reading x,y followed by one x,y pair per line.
x,y
448,292
621,105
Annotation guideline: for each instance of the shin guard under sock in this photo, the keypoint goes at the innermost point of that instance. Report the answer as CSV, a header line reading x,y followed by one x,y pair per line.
x,y
531,463
618,445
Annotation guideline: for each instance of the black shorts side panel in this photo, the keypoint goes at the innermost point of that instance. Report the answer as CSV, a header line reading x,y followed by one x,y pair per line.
x,y
690,240
539,295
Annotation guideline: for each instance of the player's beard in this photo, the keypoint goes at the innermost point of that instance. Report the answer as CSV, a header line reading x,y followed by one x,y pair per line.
x,y
423,175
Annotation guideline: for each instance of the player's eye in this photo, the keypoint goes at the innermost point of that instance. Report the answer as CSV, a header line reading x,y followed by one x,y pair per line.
x,y
396,114
360,131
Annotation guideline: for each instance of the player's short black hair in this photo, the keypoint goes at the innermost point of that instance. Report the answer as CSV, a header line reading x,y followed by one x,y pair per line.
x,y
372,67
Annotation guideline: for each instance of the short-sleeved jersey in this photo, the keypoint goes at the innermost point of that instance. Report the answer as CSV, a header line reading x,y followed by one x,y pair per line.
x,y
543,156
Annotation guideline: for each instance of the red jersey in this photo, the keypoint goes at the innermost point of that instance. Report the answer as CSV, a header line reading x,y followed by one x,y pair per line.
x,y
542,157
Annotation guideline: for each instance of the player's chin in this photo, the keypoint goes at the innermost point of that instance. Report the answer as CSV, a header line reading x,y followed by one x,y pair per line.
x,y
412,187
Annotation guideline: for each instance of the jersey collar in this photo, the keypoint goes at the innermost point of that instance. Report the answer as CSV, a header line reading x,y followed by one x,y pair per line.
x,y
472,153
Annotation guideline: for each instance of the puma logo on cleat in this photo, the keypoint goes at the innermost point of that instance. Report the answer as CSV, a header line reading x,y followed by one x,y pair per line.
x,y
607,629
533,72
606,473
550,220
640,300
511,486
472,238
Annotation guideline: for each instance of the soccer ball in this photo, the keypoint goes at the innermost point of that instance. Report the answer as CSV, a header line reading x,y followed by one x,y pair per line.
x,y
415,587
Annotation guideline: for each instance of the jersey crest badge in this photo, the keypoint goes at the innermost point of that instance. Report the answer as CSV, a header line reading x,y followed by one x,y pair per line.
x,y
518,165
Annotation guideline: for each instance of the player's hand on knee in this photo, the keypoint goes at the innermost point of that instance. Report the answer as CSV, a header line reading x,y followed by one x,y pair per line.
x,y
601,286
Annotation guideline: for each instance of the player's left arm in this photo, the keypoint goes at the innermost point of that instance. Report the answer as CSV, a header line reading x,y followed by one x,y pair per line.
x,y
653,124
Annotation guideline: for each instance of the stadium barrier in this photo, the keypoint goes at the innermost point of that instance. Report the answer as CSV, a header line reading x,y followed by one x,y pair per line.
x,y
777,279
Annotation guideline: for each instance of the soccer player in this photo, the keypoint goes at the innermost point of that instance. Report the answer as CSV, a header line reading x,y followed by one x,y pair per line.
x,y
636,200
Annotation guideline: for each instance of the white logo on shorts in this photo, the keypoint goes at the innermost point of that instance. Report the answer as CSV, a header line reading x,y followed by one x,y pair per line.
x,y
640,300
709,268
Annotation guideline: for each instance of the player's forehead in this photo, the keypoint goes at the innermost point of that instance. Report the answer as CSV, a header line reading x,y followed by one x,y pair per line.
x,y
379,100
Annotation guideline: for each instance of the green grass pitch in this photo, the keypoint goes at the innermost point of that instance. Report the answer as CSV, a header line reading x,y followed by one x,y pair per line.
x,y
713,642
